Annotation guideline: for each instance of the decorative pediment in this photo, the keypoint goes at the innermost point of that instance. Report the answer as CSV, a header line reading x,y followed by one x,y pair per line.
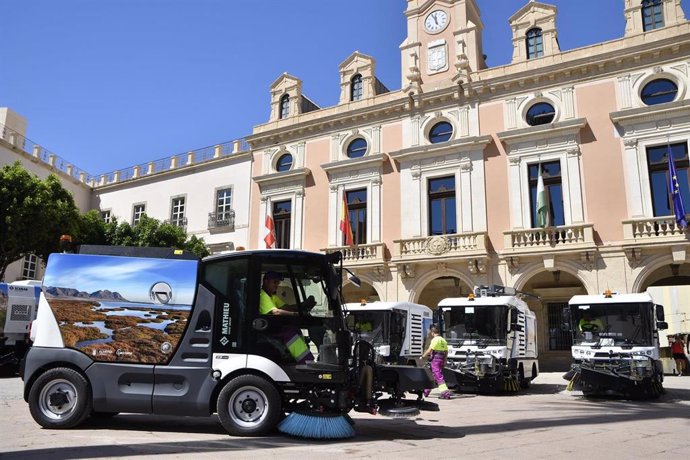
x,y
534,15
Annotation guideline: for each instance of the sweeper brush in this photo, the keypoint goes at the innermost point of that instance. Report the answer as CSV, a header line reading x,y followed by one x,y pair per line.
x,y
317,425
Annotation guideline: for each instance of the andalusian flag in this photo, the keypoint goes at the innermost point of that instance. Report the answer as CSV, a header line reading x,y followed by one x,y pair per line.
x,y
345,226
542,202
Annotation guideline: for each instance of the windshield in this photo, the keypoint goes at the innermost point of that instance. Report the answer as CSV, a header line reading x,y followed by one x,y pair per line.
x,y
617,324
485,324
371,326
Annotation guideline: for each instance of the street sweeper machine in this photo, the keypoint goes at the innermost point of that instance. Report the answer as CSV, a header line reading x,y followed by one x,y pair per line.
x,y
615,344
152,330
492,340
396,330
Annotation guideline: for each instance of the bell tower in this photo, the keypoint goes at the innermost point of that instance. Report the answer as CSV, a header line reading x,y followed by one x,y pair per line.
x,y
443,44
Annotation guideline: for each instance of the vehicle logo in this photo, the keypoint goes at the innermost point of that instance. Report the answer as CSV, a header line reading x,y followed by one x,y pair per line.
x,y
166,347
160,293
224,341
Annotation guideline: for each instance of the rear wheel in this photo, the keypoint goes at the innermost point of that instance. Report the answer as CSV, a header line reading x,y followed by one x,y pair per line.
x,y
60,398
249,406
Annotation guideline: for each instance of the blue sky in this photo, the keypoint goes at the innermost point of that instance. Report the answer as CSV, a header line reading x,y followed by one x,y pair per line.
x,y
107,84
132,277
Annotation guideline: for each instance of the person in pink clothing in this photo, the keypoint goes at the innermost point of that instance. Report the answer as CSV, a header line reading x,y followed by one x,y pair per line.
x,y
438,352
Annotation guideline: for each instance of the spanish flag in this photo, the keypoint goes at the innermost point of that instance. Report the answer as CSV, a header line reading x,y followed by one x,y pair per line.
x,y
345,226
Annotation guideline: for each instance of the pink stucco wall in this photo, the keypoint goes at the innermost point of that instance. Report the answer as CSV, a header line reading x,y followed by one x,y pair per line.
x,y
496,170
602,161
391,214
316,196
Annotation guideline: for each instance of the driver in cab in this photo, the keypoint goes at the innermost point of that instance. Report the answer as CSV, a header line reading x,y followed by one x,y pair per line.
x,y
590,324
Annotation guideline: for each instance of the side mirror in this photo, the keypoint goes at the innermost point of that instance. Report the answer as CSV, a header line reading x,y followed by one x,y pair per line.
x,y
660,313
354,280
662,325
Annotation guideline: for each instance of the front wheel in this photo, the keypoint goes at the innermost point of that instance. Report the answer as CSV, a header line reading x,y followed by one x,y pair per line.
x,y
249,405
60,398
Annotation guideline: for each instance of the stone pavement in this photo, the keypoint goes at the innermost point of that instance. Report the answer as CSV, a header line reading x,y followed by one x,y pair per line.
x,y
543,422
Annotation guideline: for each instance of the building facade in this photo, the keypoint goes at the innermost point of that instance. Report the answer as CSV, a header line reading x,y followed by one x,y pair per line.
x,y
441,176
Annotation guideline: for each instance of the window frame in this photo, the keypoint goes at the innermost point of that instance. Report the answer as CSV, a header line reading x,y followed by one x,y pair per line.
x,y
645,85
106,215
282,222
177,216
433,138
356,88
534,43
138,210
29,267
682,164
349,149
535,104
549,182
652,15
284,107
443,196
278,164
355,211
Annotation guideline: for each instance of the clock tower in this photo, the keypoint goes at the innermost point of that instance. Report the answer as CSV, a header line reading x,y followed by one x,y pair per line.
x,y
443,45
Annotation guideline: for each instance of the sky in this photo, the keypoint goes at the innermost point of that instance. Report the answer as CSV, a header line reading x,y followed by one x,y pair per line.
x,y
108,84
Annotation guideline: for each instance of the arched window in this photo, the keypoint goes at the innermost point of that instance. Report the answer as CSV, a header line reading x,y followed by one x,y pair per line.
x,y
440,132
659,91
284,163
540,113
356,92
357,148
652,14
535,43
285,106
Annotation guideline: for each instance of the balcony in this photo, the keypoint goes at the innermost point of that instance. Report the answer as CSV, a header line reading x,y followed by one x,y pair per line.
x,y
451,245
653,230
361,254
221,221
564,238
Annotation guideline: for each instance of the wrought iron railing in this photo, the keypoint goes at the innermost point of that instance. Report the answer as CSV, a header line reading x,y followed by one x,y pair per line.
x,y
222,220
178,222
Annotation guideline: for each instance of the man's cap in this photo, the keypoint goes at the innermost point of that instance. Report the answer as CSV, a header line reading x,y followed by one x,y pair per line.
x,y
271,275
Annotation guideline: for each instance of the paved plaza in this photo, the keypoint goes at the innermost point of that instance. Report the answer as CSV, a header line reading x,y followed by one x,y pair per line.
x,y
543,422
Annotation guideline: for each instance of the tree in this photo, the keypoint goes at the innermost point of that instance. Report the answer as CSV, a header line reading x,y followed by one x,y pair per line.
x,y
147,232
35,213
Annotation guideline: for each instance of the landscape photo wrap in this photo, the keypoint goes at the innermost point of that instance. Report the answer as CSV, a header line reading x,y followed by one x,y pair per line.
x,y
123,309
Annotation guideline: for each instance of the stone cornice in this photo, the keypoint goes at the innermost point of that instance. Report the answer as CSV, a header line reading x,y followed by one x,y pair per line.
x,y
300,173
570,127
465,144
178,171
355,163
652,113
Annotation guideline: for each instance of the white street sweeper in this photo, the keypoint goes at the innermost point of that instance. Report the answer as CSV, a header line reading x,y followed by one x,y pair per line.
x,y
151,330
492,340
616,344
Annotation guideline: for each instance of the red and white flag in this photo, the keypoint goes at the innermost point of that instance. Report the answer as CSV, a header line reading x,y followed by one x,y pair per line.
x,y
270,238
345,226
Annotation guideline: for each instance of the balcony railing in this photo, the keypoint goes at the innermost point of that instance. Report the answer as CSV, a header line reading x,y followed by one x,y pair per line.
x,y
562,237
222,220
654,230
457,244
361,254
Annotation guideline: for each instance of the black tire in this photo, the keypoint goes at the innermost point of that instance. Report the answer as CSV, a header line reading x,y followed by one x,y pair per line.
x,y
249,405
60,398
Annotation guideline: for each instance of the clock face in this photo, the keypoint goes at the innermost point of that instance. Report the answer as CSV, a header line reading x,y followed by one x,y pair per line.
x,y
436,21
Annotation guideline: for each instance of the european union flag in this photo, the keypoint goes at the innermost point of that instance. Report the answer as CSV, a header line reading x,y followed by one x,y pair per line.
x,y
674,190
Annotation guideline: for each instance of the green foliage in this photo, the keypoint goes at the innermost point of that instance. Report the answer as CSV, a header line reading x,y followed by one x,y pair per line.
x,y
147,232
35,213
